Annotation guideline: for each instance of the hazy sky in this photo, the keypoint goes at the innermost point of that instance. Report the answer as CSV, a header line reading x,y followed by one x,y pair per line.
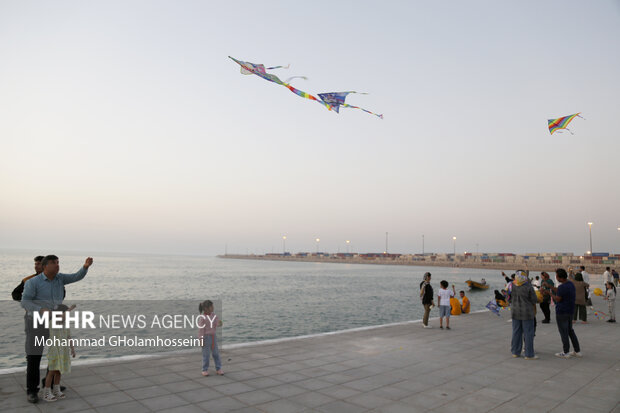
x,y
125,127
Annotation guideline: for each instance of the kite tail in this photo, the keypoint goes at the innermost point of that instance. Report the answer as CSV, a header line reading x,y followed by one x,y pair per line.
x,y
346,105
279,67
305,95
579,116
295,77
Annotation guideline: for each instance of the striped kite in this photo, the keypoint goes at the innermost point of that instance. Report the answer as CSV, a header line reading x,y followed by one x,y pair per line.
x,y
332,100
336,99
562,123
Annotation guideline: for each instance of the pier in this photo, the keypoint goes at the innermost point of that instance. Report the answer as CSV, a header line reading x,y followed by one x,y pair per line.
x,y
394,368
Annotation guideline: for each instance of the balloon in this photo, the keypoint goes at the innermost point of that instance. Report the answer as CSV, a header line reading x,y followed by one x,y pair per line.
x,y
539,296
598,291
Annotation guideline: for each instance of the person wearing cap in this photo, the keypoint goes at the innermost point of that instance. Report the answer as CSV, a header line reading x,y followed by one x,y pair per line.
x,y
523,306
426,294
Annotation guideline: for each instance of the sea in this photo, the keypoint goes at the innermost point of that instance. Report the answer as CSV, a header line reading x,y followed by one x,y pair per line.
x,y
256,299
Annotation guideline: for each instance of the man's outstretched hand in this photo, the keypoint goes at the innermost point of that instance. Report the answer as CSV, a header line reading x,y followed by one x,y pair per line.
x,y
88,262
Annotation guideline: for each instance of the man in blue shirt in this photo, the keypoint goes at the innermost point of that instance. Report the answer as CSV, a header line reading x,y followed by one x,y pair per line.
x,y
43,293
564,297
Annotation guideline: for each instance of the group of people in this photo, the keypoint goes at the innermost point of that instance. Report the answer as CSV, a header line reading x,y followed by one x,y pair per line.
x,y
448,305
570,296
42,292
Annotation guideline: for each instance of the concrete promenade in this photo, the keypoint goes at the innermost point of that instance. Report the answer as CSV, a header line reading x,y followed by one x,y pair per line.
x,y
398,368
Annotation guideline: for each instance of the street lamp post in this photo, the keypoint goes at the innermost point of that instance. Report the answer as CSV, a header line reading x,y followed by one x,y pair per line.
x,y
422,244
317,244
284,244
590,226
349,243
454,247
386,242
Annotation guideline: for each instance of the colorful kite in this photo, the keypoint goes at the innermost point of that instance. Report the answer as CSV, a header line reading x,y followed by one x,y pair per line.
x,y
248,68
600,315
332,101
493,307
561,123
336,99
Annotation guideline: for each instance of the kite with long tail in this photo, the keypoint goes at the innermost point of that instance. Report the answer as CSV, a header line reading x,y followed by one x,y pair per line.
x,y
332,101
336,99
248,68
560,124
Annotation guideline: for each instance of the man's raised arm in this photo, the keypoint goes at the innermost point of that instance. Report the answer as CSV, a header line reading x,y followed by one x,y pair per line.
x,y
71,278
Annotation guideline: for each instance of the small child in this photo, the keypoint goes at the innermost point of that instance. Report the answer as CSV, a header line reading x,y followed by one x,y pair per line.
x,y
610,296
58,360
444,296
206,332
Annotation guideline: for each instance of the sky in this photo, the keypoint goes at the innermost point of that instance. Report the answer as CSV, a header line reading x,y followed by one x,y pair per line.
x,y
124,127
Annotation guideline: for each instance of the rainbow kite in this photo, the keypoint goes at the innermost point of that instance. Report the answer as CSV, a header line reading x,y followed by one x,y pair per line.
x,y
336,99
332,101
561,123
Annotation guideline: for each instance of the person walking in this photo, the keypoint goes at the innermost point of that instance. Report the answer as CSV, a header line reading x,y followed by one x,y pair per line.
x,y
523,306
426,294
564,297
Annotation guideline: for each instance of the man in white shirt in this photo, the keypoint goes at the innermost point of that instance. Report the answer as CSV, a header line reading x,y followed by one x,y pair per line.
x,y
607,275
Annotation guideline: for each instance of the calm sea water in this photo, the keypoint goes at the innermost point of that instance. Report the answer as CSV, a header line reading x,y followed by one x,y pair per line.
x,y
260,299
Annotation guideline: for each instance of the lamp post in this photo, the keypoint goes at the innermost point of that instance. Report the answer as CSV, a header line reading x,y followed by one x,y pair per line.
x,y
349,243
317,244
386,242
590,226
454,247
284,244
422,244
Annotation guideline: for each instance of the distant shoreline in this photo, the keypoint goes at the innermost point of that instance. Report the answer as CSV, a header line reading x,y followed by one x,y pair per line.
x,y
501,266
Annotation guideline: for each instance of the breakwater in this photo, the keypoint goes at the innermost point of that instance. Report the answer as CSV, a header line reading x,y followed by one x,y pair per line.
x,y
506,263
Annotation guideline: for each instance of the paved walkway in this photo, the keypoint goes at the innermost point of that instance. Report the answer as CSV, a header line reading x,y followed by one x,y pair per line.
x,y
402,368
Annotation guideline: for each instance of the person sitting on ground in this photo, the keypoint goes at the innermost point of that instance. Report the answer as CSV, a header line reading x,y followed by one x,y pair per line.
x,y
465,306
500,298
455,304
